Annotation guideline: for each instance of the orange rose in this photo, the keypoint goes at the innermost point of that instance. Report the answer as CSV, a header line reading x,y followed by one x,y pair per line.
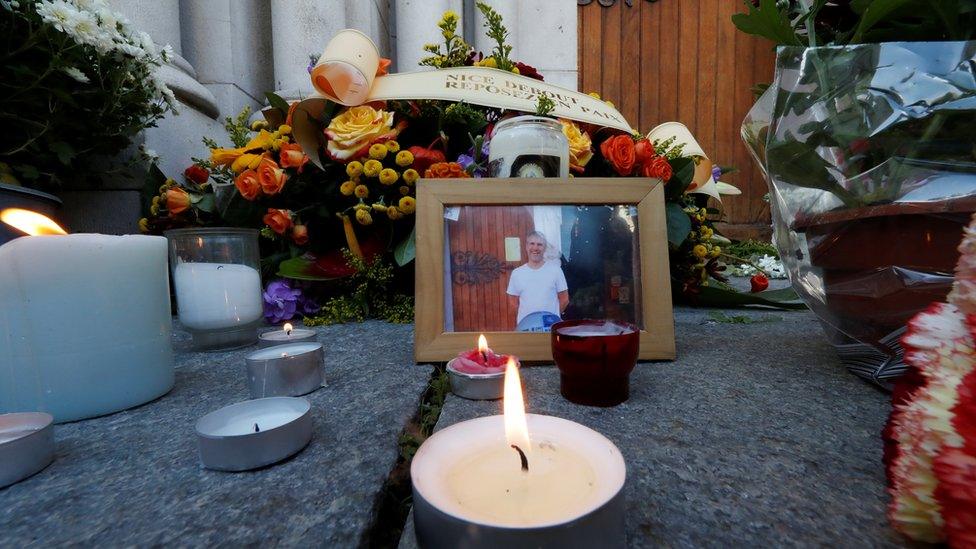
x,y
643,151
177,201
248,184
272,177
278,220
658,167
299,234
445,170
292,156
619,152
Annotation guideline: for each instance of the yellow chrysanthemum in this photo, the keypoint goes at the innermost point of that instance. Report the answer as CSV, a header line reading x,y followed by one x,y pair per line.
x,y
407,204
378,151
393,213
700,251
361,191
377,207
363,217
259,125
372,168
404,159
354,168
389,176
392,146
284,129
404,190
347,188
410,176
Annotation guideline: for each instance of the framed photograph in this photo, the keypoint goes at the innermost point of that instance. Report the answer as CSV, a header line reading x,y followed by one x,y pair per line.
x,y
510,257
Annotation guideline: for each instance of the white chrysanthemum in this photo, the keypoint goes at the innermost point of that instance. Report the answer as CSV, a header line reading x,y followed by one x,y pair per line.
x,y
167,53
57,13
147,43
76,74
130,50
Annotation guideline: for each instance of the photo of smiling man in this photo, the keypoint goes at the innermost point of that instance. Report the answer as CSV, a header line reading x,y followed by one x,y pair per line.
x,y
537,289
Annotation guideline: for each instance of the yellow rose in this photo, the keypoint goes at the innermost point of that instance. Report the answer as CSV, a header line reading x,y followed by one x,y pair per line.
x,y
352,132
580,145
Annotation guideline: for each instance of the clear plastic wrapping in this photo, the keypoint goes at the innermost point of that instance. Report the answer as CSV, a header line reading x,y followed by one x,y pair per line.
x,y
870,156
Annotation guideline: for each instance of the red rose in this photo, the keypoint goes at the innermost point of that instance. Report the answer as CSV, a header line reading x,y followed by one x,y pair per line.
x,y
759,282
658,167
197,174
528,70
278,220
643,151
619,151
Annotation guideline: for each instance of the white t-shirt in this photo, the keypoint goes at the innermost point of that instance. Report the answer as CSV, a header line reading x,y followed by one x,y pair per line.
x,y
537,288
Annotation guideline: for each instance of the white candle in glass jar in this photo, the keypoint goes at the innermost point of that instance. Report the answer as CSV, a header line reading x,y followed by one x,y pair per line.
x,y
211,296
528,146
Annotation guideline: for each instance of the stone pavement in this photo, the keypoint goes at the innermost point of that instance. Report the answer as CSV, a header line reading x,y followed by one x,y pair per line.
x,y
134,478
755,435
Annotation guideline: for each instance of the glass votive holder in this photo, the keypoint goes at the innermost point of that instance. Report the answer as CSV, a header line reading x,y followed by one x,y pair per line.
x,y
595,358
217,280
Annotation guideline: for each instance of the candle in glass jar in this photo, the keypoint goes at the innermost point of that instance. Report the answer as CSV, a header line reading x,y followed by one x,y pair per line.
x,y
217,295
528,146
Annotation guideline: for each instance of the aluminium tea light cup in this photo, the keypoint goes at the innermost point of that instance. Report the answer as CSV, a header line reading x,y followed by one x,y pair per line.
x,y
254,433
26,445
286,335
476,386
294,369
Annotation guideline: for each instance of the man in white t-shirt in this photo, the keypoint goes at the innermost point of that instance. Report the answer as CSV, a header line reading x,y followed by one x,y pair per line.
x,y
538,286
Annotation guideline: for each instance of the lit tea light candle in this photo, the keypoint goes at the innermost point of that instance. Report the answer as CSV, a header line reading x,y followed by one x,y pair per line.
x,y
518,479
254,433
294,369
287,334
478,374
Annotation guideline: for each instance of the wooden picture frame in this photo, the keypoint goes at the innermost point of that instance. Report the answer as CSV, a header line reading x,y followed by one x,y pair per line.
x,y
433,344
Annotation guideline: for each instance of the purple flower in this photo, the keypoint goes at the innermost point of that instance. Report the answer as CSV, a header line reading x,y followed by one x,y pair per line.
x,y
466,159
281,302
716,172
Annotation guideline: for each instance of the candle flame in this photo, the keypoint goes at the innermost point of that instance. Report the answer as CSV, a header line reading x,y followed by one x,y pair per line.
x,y
288,328
516,429
30,222
482,344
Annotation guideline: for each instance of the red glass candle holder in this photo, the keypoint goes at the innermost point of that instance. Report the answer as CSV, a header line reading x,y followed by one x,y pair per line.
x,y
595,358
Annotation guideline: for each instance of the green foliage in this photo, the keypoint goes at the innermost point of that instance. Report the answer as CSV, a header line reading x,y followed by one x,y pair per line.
x,y
498,33
238,127
719,316
365,294
679,225
751,248
823,23
544,106
429,413
75,88
406,251
456,50
470,119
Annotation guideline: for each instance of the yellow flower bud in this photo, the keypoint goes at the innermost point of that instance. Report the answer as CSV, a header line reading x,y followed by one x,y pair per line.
x,y
258,125
144,225
378,151
389,176
347,188
404,159
404,190
377,207
354,168
372,168
393,213
392,146
361,191
700,251
284,129
363,217
410,176
407,204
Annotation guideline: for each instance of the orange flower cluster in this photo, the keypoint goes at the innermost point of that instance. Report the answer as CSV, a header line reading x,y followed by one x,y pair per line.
x,y
281,222
445,170
628,157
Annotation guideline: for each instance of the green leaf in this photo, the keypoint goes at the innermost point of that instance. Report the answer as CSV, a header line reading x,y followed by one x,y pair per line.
x,y
301,268
679,224
207,203
710,296
767,21
64,151
874,12
240,212
684,172
406,251
276,101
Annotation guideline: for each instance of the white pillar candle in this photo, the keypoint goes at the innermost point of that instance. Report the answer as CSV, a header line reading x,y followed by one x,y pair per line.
x,y
211,296
84,324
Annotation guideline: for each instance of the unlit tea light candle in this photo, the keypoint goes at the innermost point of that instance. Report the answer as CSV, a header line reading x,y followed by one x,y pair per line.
x,y
26,445
254,433
294,369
